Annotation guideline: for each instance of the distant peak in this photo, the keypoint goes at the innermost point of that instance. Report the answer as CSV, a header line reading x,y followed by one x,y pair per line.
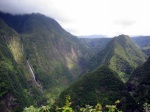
x,y
122,36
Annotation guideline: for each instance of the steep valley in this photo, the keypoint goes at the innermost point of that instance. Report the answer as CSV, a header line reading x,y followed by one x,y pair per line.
x,y
40,61
49,56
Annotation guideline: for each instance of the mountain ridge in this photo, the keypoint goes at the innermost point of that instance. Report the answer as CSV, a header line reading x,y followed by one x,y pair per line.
x,y
99,86
55,56
120,54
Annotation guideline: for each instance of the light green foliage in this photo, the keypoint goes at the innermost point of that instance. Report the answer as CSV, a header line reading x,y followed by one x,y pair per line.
x,y
88,108
66,107
146,107
34,109
30,109
113,108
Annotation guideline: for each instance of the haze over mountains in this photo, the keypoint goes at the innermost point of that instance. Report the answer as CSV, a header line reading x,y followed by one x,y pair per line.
x,y
39,60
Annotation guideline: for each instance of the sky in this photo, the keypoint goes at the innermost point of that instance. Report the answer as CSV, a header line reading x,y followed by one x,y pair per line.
x,y
89,17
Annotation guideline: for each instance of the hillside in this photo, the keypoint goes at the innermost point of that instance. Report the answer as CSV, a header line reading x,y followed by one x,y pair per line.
x,y
39,59
144,43
139,83
100,86
55,57
121,55
94,45
14,75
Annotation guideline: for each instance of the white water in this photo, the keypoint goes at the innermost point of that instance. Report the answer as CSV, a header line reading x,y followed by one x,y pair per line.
x,y
31,70
32,73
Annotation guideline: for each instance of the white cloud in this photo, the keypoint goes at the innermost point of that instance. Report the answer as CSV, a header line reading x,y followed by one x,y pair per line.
x,y
86,17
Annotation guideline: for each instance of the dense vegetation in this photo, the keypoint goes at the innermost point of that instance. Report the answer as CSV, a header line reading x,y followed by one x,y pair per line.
x,y
13,83
121,55
36,43
94,45
139,83
100,86
56,57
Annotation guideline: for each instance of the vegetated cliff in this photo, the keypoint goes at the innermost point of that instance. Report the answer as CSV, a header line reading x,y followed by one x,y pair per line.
x,y
14,85
56,57
94,45
121,55
100,86
139,83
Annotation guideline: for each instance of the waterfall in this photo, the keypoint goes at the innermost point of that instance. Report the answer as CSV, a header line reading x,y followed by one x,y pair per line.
x,y
33,75
31,70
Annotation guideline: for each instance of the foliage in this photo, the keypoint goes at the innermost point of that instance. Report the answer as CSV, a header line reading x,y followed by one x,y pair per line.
x,y
54,55
66,107
88,108
146,107
139,83
121,55
101,85
34,109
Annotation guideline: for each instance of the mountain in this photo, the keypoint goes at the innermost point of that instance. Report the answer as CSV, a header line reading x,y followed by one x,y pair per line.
x,y
144,43
54,58
141,41
94,45
139,83
14,86
100,86
121,55
146,50
39,59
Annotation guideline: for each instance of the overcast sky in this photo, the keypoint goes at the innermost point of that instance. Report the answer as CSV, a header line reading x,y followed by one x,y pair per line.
x,y
88,17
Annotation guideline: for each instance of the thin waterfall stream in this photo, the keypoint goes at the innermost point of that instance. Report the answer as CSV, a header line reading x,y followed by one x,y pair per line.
x,y
31,72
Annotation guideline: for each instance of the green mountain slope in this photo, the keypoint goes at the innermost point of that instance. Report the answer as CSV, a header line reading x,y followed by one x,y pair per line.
x,y
139,83
94,45
100,86
144,43
56,57
14,87
121,55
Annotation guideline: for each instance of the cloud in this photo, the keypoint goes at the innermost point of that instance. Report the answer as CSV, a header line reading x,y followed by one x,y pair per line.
x,y
124,22
87,17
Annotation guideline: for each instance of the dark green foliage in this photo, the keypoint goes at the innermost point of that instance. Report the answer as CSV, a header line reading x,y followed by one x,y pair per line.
x,y
58,59
100,86
54,54
121,55
139,83
14,87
